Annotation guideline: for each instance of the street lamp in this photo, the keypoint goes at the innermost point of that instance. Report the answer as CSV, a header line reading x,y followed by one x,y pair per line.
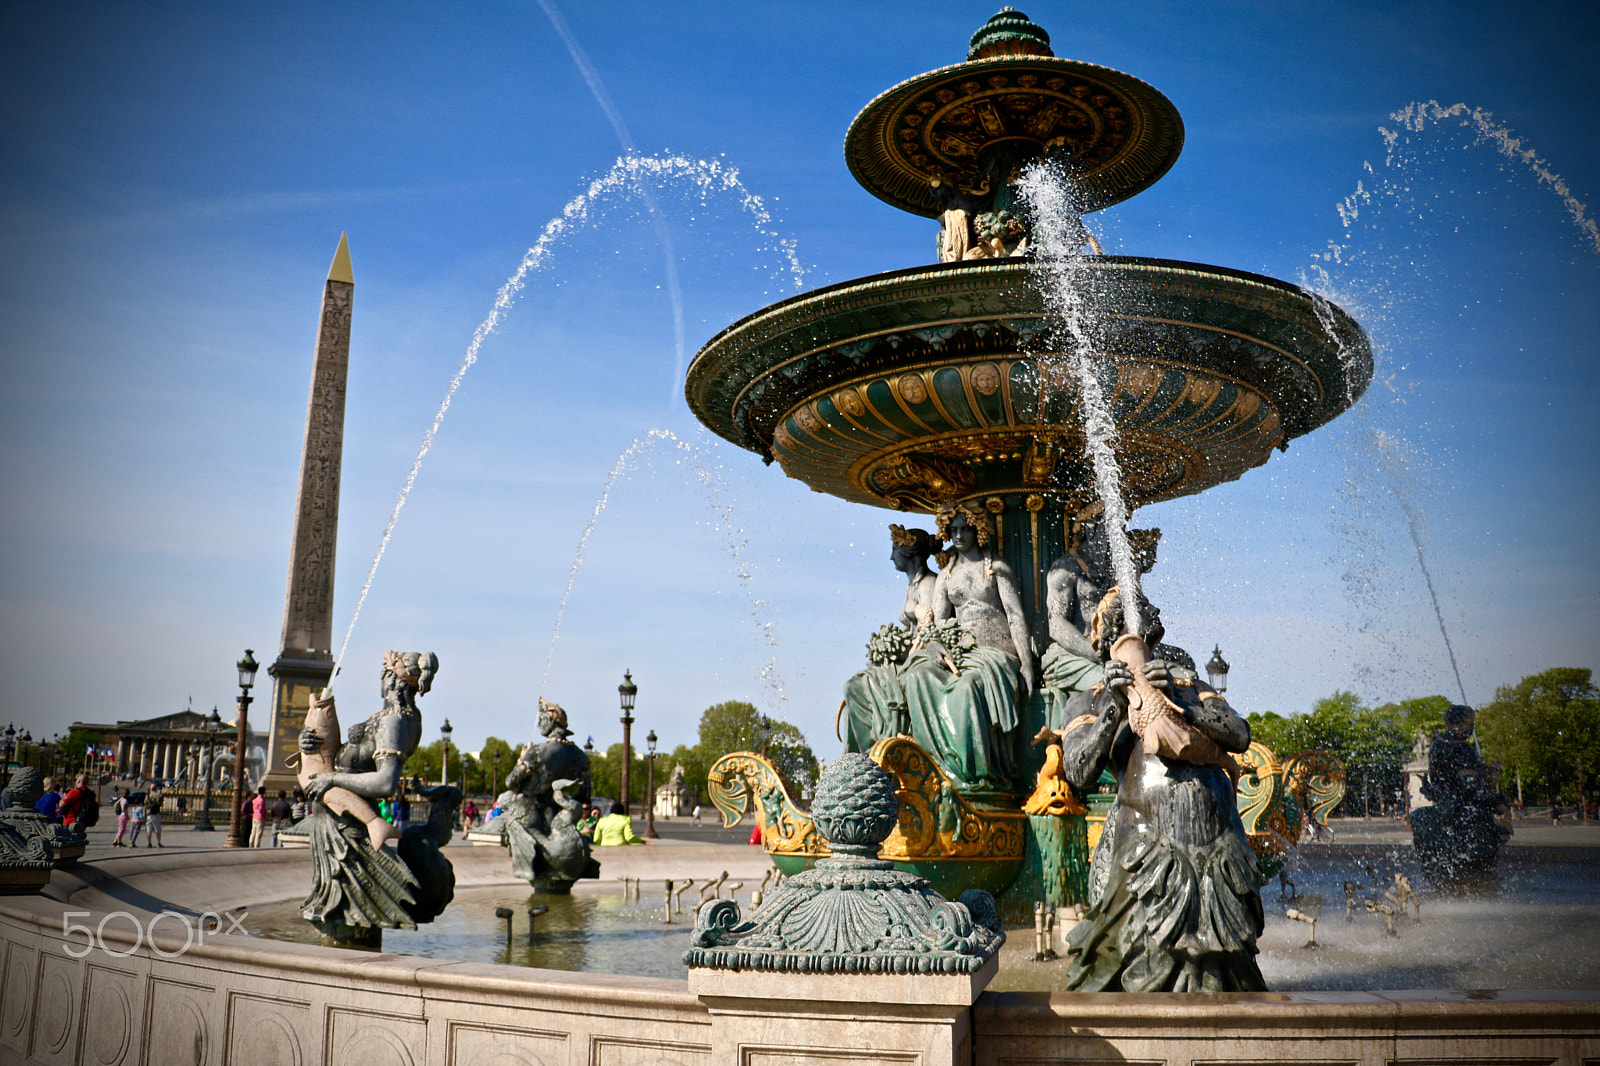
x,y
650,789
238,833
628,691
22,748
444,763
494,778
11,739
1217,669
213,724
763,733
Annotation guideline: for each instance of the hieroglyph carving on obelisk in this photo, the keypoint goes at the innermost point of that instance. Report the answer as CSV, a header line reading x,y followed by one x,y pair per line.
x,y
305,659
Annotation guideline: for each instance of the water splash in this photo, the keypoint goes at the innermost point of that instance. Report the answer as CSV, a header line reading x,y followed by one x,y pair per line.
x,y
597,89
697,459
1047,192
707,178
1367,445
1394,461
1414,119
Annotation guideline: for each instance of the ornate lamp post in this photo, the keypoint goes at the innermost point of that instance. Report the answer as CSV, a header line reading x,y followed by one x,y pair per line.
x,y
22,748
47,757
238,832
628,691
494,776
444,765
650,789
213,724
1217,669
763,733
11,739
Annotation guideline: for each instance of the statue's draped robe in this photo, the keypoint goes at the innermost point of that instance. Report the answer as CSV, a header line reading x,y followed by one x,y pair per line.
x,y
966,721
1174,901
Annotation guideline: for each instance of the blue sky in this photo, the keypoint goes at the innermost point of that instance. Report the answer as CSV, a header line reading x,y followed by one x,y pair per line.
x,y
176,177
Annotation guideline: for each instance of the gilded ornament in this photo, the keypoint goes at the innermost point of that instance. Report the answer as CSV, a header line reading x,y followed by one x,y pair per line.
x,y
912,388
986,378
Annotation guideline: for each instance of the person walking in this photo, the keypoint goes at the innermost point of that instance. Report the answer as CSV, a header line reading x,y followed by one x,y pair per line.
x,y
282,812
694,818
136,818
258,815
152,817
123,809
402,811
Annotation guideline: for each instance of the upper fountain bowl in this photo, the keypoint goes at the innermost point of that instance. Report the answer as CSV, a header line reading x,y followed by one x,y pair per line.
x,y
965,128
917,387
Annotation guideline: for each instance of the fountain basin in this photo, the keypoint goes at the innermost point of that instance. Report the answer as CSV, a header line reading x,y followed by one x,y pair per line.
x,y
909,388
160,1002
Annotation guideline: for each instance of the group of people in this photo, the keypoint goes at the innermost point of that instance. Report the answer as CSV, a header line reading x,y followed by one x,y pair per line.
x,y
282,812
75,808
607,830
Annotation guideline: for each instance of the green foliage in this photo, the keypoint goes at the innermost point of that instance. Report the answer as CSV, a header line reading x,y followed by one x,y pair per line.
x,y
1424,714
487,776
75,745
605,773
1373,743
426,762
731,726
1548,727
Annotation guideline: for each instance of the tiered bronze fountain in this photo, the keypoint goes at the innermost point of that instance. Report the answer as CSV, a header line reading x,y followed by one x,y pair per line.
x,y
940,385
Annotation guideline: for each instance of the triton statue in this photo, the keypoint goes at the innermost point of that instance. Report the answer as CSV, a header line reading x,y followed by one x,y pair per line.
x,y
1174,901
541,820
1459,837
358,886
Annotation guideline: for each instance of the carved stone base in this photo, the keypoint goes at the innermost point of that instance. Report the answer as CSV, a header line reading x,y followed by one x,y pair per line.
x,y
836,1017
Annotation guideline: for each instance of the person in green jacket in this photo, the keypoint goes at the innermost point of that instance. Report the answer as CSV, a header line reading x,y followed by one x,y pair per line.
x,y
615,828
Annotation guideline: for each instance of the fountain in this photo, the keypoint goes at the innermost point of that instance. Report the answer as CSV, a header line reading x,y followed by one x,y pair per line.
x,y
946,389
1025,389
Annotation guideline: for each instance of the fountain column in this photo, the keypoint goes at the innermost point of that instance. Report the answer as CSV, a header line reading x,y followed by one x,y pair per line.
x,y
305,658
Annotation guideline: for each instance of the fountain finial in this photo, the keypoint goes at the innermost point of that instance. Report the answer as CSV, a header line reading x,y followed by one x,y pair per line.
x,y
1009,33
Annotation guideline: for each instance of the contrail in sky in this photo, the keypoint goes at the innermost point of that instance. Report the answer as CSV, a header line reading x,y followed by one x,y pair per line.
x,y
597,89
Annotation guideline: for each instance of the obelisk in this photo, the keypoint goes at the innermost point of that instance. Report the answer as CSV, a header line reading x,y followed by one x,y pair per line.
x,y
305,658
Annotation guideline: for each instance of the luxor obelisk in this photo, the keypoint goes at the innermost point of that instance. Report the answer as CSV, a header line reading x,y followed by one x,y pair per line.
x,y
305,657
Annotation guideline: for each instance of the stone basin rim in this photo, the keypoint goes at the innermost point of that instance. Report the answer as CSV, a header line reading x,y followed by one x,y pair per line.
x,y
713,371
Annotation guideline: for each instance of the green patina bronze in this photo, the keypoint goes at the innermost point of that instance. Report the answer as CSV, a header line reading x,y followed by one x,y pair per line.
x,y
941,388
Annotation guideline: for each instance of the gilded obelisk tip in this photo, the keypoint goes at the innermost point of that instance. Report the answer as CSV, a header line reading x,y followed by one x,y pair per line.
x,y
340,270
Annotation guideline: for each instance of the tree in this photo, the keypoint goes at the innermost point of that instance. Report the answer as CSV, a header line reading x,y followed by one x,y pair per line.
x,y
494,761
731,726
1547,726
426,762
1371,743
605,773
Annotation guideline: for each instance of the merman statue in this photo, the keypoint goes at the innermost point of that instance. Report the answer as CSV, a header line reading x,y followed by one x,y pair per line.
x,y
1458,838
1174,887
541,820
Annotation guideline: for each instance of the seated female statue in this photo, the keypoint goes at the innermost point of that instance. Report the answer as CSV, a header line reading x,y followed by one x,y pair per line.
x,y
874,704
964,713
